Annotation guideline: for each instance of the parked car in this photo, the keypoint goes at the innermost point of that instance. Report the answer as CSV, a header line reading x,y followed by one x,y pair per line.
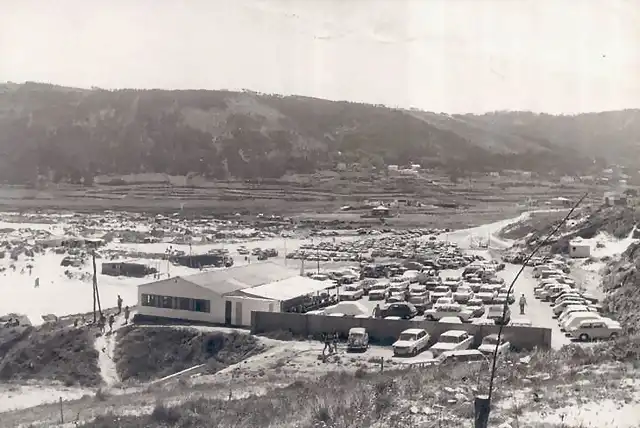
x,y
358,339
450,320
452,310
498,314
402,310
575,319
490,343
352,292
487,293
452,340
440,291
477,307
463,294
421,302
595,329
468,356
379,291
411,342
561,306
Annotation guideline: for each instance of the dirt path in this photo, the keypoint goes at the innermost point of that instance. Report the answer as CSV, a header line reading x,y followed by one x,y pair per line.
x,y
105,344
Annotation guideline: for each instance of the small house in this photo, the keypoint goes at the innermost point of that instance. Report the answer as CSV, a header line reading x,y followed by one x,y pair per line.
x,y
130,269
614,199
579,249
380,211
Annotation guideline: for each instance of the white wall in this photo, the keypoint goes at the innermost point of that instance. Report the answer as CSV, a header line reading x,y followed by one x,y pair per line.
x,y
248,305
177,287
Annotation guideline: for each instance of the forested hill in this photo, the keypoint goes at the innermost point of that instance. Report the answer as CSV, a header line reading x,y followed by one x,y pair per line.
x,y
69,133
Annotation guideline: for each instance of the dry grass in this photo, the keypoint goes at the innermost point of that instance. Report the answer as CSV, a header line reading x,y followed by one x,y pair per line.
x,y
49,353
411,398
154,352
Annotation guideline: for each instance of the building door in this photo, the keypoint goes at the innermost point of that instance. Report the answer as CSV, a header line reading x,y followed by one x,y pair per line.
x,y
227,312
238,313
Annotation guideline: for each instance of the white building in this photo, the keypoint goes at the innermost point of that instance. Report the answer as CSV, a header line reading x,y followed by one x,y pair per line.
x,y
579,249
226,296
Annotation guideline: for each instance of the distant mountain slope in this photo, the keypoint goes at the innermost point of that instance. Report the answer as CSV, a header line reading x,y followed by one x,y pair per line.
x,y
71,133
613,136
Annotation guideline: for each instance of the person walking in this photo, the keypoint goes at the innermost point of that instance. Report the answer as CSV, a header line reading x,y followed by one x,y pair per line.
x,y
101,323
334,341
376,311
126,314
327,343
523,303
111,321
119,304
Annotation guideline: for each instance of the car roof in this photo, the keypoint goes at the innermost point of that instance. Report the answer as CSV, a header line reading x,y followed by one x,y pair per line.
x,y
454,333
413,330
357,330
492,336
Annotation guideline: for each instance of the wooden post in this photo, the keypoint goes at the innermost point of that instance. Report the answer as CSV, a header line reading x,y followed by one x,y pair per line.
x,y
481,408
95,283
61,412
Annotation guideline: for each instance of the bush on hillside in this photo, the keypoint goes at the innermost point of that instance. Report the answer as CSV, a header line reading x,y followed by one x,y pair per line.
x,y
146,353
50,353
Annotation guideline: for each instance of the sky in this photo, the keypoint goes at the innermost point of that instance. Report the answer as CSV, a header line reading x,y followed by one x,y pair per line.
x,y
453,56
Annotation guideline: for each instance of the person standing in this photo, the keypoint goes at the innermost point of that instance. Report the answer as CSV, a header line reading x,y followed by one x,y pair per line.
x,y
523,303
119,304
102,323
327,342
126,314
111,321
376,311
334,341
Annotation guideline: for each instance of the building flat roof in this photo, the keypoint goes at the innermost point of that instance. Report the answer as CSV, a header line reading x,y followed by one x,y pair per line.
x,y
228,280
289,288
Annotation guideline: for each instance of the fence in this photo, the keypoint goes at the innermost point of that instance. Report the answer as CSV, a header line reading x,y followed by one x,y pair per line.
x,y
384,331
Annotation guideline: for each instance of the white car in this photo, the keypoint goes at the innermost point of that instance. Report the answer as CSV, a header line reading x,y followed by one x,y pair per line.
x,y
453,310
573,309
576,318
452,340
379,291
411,342
352,292
487,293
594,329
450,320
440,291
463,294
490,343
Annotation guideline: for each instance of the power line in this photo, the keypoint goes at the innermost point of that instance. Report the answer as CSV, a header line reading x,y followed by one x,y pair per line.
x,y
482,420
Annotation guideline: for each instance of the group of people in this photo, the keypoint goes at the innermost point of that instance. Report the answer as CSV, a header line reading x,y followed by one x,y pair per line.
x,y
112,318
330,342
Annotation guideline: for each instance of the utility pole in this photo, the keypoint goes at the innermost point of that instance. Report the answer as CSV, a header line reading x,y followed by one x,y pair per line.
x,y
96,294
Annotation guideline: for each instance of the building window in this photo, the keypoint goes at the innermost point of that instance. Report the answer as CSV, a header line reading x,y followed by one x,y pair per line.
x,y
177,303
184,304
149,300
166,302
201,306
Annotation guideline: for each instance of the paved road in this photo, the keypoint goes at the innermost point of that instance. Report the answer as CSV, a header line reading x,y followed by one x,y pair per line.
x,y
538,312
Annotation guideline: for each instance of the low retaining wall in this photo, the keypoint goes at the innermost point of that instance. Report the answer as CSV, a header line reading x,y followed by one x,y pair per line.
x,y
384,331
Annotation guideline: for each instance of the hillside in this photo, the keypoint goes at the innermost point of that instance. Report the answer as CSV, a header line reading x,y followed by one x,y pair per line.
x,y
69,134
610,136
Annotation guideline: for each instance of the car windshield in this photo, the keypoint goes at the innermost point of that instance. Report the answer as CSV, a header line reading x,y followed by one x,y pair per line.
x,y
356,335
441,289
410,337
449,339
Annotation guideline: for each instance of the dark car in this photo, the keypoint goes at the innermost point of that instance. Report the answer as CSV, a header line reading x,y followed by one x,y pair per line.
x,y
402,310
